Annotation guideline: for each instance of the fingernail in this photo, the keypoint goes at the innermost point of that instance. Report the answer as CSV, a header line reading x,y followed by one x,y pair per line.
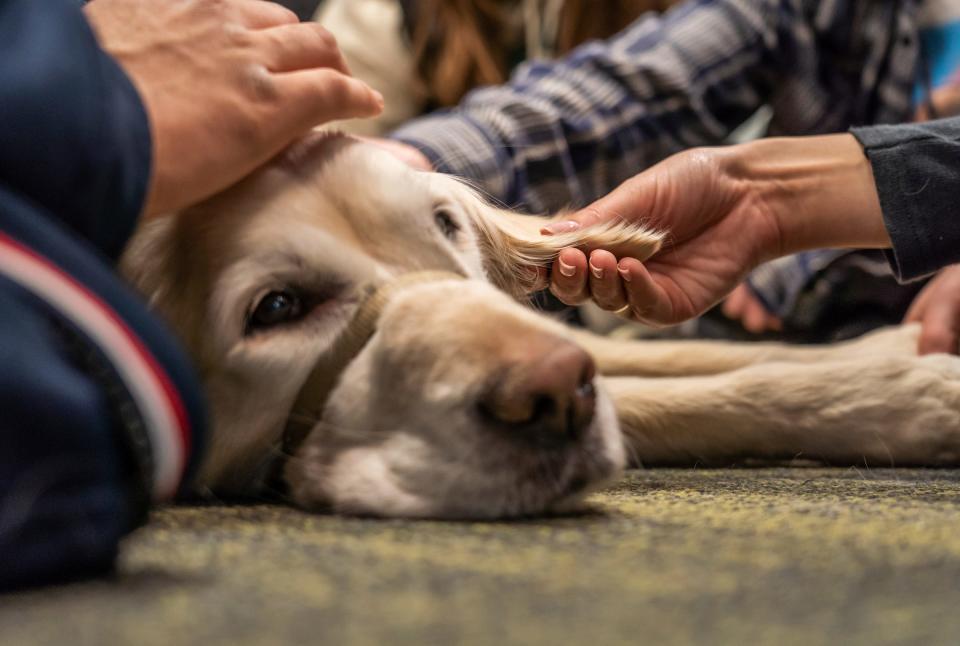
x,y
596,271
567,270
378,97
560,227
624,274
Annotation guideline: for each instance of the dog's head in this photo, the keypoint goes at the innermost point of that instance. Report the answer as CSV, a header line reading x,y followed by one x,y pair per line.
x,y
463,403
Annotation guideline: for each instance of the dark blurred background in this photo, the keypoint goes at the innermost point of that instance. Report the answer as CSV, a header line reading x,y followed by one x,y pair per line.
x,y
304,8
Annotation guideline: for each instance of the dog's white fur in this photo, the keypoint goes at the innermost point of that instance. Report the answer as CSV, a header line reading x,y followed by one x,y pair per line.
x,y
400,435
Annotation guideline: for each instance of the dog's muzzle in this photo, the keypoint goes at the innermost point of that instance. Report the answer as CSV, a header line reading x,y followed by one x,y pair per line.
x,y
312,399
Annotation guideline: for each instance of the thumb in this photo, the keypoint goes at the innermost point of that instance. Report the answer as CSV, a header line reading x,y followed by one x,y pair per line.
x,y
582,218
625,202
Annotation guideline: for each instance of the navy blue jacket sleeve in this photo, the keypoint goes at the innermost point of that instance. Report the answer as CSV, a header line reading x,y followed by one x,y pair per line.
x,y
100,410
916,168
74,135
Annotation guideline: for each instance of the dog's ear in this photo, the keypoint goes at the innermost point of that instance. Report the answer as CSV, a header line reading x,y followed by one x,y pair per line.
x,y
146,261
513,245
157,263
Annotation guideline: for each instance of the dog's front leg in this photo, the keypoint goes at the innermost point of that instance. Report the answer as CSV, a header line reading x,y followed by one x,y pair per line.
x,y
887,411
686,358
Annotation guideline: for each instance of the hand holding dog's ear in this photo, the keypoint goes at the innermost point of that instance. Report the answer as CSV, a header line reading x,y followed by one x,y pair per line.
x,y
707,250
226,85
724,211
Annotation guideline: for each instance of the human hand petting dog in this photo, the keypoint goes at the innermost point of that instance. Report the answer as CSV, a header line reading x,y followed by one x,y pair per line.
x,y
725,211
226,86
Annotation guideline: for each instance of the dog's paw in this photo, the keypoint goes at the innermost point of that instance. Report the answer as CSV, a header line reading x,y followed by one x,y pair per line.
x,y
920,409
899,340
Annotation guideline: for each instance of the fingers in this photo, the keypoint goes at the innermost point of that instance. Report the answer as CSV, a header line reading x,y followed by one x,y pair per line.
x,y
629,201
574,222
757,319
312,97
606,285
568,277
919,305
743,306
565,225
410,156
611,285
733,307
940,330
649,300
300,46
937,308
260,14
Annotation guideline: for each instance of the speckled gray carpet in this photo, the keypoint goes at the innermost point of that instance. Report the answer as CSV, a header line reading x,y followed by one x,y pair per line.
x,y
803,556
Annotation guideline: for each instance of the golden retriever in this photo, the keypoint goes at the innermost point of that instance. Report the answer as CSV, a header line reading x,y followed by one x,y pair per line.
x,y
455,400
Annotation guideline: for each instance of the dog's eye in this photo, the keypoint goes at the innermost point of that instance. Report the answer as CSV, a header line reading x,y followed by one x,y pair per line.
x,y
275,308
447,225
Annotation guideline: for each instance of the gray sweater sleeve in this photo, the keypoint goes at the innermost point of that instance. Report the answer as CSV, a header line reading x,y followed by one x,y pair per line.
x,y
917,171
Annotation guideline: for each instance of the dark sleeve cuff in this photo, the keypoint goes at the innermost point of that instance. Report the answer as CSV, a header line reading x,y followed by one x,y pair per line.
x,y
916,169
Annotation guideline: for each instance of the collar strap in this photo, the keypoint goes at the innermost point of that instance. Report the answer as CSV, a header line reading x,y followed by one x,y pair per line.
x,y
312,399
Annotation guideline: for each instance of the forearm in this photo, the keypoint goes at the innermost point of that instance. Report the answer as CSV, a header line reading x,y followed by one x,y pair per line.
x,y
888,187
819,190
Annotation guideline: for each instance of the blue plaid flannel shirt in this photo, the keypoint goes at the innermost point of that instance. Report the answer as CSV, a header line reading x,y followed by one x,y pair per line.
x,y
561,134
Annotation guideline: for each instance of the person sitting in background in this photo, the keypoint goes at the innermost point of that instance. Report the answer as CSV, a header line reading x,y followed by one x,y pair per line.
x,y
563,133
428,54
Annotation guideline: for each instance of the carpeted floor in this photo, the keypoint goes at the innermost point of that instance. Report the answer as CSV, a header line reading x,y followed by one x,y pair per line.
x,y
802,556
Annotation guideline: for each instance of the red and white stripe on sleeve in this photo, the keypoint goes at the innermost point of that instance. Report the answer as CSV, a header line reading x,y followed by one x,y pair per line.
x,y
156,398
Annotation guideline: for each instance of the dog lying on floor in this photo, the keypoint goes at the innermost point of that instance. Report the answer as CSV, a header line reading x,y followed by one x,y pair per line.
x,y
362,319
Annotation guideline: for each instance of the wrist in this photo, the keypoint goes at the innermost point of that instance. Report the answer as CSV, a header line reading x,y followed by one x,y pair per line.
x,y
819,191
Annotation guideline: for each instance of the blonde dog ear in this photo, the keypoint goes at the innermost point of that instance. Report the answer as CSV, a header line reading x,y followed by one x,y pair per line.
x,y
513,245
157,265
145,262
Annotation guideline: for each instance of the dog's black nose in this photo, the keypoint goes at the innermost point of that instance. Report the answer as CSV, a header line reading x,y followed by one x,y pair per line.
x,y
548,401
